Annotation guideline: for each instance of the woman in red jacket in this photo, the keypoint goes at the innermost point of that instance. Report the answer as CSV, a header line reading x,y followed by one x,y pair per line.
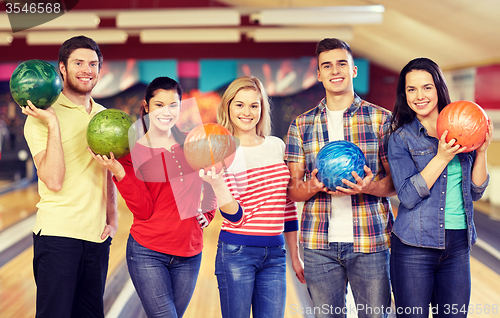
x,y
163,193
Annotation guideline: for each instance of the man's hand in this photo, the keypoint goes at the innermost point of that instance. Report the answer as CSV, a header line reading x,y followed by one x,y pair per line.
x,y
109,230
47,115
364,185
315,185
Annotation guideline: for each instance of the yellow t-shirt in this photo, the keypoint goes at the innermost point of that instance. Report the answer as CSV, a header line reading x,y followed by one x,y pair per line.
x,y
78,210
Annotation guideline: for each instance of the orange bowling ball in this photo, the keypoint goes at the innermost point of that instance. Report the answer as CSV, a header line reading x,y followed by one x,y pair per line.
x,y
209,145
466,122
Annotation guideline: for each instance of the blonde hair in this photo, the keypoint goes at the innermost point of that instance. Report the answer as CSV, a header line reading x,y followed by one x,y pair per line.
x,y
263,127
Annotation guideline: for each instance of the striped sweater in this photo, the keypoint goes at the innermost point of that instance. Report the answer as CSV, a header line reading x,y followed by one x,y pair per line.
x,y
258,180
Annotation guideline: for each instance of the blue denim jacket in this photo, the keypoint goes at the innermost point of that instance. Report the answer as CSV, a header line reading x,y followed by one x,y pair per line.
x,y
420,219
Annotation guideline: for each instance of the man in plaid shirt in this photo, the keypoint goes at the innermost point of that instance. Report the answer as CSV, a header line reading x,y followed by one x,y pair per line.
x,y
345,231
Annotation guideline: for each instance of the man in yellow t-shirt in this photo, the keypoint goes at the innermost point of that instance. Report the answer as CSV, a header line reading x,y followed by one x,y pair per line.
x,y
76,217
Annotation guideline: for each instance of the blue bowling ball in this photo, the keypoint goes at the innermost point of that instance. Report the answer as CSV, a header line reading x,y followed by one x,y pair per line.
x,y
336,160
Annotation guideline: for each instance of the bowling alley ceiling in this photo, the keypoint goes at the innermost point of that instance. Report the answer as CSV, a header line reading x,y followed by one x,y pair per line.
x,y
454,33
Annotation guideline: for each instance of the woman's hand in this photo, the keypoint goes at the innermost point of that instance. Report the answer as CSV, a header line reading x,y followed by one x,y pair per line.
x,y
225,199
202,220
298,268
448,150
111,164
211,176
487,140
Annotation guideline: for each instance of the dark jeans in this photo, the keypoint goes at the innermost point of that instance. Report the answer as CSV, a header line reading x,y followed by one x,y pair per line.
x,y
422,276
70,276
164,283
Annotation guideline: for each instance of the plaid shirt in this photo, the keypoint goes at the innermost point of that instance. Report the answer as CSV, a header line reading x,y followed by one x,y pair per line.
x,y
367,126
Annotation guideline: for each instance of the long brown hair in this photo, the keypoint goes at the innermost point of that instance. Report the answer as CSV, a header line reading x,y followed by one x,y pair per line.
x,y
402,113
168,84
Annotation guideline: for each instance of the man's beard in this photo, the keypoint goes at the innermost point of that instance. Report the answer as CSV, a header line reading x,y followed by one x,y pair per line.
x,y
75,87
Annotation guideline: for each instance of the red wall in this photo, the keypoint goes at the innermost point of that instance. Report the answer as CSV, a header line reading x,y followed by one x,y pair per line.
x,y
487,87
382,87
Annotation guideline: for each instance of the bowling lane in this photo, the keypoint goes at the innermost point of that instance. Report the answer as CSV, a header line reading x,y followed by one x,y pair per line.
x,y
17,205
17,286
487,247
119,243
485,296
205,301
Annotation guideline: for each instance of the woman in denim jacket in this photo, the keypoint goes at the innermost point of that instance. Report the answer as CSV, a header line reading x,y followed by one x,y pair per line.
x,y
436,183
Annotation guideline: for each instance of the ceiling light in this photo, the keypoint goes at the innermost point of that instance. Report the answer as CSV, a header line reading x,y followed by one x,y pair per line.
x,y
177,18
58,37
71,20
66,21
325,15
4,22
299,34
5,38
190,36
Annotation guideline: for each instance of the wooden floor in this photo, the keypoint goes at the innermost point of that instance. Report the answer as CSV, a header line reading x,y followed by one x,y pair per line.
x,y
17,205
17,288
205,302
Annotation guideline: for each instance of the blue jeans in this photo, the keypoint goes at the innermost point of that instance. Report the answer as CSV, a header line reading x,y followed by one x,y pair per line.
x,y
70,276
327,273
164,283
422,276
251,277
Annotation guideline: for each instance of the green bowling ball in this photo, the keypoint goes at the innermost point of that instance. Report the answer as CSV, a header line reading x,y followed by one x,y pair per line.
x,y
37,81
110,131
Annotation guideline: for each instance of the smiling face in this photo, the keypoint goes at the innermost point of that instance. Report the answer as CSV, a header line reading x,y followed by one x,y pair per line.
x,y
336,71
163,109
80,74
421,94
244,111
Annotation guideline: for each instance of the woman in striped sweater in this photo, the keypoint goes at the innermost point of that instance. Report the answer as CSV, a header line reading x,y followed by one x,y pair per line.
x,y
251,194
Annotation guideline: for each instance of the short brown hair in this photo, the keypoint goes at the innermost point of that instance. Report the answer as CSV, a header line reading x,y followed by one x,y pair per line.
x,y
78,42
329,44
